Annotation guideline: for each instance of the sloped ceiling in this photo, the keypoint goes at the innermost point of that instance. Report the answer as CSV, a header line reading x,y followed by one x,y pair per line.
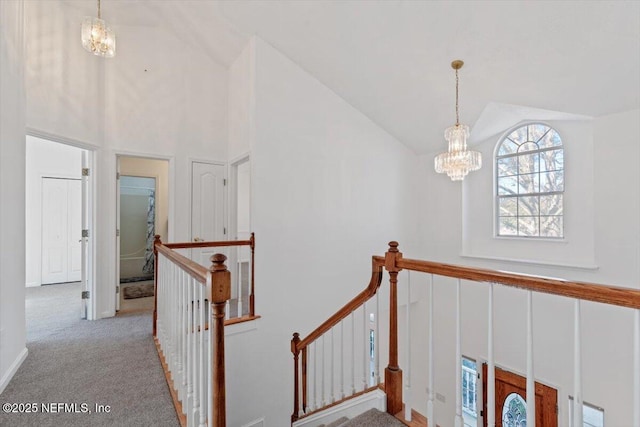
x,y
391,59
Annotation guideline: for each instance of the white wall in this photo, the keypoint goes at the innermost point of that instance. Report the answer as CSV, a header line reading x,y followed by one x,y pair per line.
x,y
12,190
577,247
158,97
330,188
615,191
44,159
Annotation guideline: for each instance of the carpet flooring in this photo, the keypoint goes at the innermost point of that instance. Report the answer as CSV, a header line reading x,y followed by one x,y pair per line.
x,y
110,362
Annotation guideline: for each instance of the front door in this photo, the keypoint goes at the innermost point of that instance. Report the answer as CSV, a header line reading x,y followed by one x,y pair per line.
x,y
207,208
511,394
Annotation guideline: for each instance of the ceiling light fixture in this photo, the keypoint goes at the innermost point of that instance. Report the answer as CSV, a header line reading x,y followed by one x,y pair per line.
x,y
458,161
97,37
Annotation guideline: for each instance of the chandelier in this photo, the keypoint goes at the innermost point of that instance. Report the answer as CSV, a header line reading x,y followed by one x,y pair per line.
x,y
97,38
458,161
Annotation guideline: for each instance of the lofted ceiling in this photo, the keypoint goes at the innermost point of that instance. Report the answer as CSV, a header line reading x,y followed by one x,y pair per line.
x,y
391,59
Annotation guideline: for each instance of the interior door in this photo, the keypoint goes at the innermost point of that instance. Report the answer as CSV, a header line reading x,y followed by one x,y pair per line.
x,y
61,230
207,208
510,400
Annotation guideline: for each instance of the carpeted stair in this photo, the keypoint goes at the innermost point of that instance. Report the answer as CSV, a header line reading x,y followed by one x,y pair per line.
x,y
371,418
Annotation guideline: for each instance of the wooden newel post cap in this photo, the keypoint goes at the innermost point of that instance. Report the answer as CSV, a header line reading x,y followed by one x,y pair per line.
x,y
390,258
217,261
156,239
294,342
220,279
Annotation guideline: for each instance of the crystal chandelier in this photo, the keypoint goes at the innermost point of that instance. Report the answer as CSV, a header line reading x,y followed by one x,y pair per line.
x,y
97,38
458,161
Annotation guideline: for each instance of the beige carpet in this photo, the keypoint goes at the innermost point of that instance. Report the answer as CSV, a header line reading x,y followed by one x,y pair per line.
x,y
110,362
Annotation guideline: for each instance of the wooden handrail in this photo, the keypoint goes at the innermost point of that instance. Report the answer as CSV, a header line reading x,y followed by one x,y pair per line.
x,y
212,244
394,262
192,268
357,301
614,295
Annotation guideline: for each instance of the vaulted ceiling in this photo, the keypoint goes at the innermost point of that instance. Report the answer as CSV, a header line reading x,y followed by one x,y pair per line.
x,y
391,59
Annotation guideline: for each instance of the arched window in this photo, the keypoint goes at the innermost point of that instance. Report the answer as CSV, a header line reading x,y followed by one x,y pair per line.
x,y
530,183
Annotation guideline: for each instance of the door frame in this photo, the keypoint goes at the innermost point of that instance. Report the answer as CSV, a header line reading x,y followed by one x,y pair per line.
x,y
114,288
89,306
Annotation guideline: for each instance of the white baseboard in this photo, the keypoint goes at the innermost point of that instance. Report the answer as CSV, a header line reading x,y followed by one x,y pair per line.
x,y
351,408
33,284
4,382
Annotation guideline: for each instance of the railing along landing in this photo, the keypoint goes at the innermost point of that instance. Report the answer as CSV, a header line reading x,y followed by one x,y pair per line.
x,y
190,313
315,366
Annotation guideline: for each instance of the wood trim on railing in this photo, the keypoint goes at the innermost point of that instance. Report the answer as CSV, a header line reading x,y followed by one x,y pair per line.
x,y
361,298
624,297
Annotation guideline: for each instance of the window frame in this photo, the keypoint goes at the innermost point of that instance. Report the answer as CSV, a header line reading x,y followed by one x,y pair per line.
x,y
497,197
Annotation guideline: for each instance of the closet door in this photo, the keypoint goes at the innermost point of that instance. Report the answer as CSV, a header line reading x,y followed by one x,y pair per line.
x,y
61,231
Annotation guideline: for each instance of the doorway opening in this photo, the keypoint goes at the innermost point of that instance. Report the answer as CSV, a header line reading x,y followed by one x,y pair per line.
x,y
59,218
142,205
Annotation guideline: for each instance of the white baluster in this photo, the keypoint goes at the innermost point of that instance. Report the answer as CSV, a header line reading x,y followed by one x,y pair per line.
x,y
227,310
322,374
430,368
239,269
577,365
309,407
458,418
201,356
314,405
342,359
491,373
353,353
531,388
333,397
636,368
196,354
183,337
187,408
365,348
407,370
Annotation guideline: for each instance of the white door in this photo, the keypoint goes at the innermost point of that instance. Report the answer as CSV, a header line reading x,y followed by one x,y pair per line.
x,y
207,208
61,230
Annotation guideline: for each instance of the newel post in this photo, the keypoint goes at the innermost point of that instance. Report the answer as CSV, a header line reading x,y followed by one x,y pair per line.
x,y
156,242
296,398
393,373
220,279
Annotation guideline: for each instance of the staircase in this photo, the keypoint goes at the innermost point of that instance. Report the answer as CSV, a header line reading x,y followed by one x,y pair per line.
x,y
370,418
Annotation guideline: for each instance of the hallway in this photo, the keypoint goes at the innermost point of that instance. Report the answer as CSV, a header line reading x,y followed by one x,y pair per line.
x,y
75,368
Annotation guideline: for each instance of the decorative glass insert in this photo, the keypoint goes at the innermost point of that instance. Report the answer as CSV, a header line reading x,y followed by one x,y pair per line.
x,y
530,183
514,411
469,391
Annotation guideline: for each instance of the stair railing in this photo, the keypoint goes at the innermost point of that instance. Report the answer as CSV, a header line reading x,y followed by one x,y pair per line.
x,y
304,349
188,328
352,370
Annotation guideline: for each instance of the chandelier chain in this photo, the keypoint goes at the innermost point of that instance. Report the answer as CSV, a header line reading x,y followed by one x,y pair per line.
x,y
99,10
457,110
